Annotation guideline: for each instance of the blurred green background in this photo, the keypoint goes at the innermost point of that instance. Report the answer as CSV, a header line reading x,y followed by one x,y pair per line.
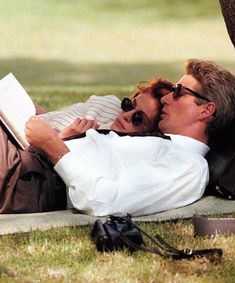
x,y
63,51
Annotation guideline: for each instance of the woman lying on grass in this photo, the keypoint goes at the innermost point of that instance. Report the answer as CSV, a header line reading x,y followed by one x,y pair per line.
x,y
138,114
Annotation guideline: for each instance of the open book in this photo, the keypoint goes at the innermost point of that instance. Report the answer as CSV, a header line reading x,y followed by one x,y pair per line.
x,y
15,108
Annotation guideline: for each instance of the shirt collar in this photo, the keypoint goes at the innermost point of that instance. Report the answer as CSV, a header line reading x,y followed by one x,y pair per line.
x,y
190,144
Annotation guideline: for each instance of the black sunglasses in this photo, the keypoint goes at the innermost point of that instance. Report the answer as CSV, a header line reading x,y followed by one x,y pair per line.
x,y
177,94
137,117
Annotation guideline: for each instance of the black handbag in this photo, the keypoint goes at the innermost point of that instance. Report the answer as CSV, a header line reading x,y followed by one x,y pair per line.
x,y
115,234
118,233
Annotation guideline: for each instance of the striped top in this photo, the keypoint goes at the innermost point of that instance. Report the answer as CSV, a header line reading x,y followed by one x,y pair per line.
x,y
103,109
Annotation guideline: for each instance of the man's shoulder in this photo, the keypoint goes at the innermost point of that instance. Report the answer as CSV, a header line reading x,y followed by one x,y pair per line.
x,y
189,144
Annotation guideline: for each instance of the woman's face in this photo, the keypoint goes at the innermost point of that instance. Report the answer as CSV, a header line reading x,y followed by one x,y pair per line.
x,y
149,108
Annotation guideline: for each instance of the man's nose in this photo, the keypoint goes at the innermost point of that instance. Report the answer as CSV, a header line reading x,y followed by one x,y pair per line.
x,y
167,98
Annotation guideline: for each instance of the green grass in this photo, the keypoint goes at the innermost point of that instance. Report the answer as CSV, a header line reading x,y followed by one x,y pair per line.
x,y
64,51
68,255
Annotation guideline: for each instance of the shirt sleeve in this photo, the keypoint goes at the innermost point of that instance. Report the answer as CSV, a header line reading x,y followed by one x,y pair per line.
x,y
143,188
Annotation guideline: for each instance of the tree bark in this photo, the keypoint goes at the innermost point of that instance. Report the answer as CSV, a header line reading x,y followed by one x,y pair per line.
x,y
228,11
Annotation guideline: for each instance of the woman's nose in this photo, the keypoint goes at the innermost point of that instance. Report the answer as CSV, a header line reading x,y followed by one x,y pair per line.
x,y
128,115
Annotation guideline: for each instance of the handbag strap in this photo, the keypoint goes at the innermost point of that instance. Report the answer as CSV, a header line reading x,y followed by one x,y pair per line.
x,y
164,249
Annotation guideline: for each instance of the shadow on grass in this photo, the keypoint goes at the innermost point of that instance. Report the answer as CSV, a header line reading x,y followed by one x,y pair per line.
x,y
35,73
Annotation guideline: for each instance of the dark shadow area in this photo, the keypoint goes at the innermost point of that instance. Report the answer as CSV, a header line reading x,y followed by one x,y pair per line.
x,y
34,72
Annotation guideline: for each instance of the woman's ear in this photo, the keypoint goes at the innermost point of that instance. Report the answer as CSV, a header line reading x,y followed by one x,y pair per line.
x,y
208,111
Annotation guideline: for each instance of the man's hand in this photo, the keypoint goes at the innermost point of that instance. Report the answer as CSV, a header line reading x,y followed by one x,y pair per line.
x,y
42,136
79,126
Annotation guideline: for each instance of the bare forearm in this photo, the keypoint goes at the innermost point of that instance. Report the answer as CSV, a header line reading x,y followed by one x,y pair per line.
x,y
55,149
42,136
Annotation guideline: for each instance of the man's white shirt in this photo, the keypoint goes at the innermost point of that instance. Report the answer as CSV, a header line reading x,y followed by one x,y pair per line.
x,y
109,174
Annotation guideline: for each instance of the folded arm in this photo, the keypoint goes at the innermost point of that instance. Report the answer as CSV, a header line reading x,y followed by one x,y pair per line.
x,y
44,137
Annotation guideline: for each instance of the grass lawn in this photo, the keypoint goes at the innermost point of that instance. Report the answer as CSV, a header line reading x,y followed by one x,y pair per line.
x,y
68,255
64,51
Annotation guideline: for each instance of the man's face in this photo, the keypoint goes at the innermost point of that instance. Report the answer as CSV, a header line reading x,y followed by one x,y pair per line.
x,y
149,107
181,114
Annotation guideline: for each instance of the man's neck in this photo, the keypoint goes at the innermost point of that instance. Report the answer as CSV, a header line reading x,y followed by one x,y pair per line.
x,y
197,134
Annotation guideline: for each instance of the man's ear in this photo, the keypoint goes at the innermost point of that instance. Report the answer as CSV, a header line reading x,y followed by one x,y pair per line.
x,y
208,111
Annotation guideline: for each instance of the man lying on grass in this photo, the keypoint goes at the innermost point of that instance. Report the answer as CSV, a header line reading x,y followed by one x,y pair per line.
x,y
112,174
109,174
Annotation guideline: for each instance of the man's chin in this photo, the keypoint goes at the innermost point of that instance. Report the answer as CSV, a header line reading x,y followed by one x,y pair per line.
x,y
161,126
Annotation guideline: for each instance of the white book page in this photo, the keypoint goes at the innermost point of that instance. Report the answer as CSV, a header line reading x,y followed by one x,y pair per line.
x,y
15,106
